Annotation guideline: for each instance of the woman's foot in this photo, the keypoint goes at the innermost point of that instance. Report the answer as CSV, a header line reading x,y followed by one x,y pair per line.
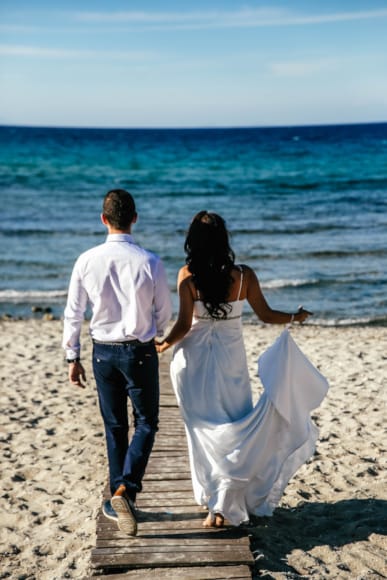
x,y
214,521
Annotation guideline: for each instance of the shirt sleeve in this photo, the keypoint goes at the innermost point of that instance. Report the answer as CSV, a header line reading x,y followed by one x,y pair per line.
x,y
74,314
162,300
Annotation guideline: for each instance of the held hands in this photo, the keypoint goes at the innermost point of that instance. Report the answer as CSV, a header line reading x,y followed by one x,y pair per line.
x,y
77,374
161,346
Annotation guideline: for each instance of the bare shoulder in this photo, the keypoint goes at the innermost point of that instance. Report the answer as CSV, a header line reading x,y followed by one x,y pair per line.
x,y
250,278
186,287
184,274
184,281
247,271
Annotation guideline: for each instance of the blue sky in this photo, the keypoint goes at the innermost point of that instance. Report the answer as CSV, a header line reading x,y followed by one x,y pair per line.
x,y
189,64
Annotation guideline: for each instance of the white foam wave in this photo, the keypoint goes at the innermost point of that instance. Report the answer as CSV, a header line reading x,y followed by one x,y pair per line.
x,y
362,321
31,295
283,283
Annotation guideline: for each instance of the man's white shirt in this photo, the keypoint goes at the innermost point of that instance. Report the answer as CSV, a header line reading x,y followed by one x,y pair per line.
x,y
127,289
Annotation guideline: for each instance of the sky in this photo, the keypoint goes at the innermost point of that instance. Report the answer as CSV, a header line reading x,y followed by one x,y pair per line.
x,y
169,63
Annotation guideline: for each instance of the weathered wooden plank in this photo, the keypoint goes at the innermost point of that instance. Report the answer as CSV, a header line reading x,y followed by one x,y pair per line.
x,y
168,469
176,541
171,448
153,530
188,522
152,534
168,473
161,487
183,546
165,494
189,511
161,506
163,502
174,442
168,463
174,558
171,431
160,498
165,475
204,573
172,439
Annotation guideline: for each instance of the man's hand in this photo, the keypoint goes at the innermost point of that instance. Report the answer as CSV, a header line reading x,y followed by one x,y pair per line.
x,y
77,374
161,346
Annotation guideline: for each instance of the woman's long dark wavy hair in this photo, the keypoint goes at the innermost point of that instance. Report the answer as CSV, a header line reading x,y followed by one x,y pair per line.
x,y
210,261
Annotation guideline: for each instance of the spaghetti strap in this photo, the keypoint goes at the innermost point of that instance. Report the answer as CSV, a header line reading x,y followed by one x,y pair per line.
x,y
241,282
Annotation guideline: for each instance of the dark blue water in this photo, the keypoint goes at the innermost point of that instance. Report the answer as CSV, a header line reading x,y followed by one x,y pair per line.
x,y
306,208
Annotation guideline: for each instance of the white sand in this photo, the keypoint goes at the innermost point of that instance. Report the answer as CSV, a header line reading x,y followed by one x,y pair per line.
x,y
331,522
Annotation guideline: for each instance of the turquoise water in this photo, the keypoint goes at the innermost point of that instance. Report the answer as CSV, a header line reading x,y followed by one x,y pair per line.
x,y
306,208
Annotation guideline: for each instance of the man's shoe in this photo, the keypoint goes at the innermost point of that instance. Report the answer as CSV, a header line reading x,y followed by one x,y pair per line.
x,y
125,510
108,511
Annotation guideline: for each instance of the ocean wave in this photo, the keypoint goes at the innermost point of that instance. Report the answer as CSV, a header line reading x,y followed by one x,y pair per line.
x,y
331,183
319,254
16,296
375,278
290,229
344,322
332,322
345,253
283,283
49,232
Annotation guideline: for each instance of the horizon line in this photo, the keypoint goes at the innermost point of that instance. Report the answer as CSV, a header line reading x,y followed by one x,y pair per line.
x,y
191,128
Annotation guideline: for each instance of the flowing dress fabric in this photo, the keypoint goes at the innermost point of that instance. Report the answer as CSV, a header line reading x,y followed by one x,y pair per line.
x,y
242,456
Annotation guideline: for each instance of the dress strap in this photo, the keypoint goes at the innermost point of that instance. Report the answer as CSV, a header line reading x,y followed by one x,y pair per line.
x,y
241,282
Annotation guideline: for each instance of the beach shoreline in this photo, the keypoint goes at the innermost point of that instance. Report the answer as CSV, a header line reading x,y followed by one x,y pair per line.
x,y
329,523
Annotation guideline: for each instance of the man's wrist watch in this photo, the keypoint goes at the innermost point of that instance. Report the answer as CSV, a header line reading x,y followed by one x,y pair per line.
x,y
73,360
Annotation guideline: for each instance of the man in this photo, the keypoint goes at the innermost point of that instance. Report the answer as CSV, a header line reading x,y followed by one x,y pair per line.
x,y
127,290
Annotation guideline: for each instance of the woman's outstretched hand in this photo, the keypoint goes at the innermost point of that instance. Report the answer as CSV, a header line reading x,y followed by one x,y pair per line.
x,y
302,314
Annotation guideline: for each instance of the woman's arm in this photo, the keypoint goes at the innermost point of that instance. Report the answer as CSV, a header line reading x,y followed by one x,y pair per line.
x,y
262,309
184,319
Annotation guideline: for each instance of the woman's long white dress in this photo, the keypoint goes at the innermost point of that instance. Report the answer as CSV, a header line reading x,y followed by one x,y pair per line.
x,y
242,456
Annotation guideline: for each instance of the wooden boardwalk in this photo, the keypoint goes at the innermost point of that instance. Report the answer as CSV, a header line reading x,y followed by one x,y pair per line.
x,y
171,542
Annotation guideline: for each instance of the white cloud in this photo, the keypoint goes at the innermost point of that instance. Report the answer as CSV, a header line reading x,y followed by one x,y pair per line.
x,y
205,18
39,51
246,18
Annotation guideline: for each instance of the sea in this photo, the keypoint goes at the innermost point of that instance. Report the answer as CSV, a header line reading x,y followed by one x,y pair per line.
x,y
306,208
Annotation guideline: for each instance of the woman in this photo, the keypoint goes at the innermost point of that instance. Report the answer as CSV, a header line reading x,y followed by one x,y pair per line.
x,y
240,455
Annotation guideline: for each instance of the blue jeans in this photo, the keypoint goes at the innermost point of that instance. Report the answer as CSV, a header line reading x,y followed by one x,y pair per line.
x,y
122,371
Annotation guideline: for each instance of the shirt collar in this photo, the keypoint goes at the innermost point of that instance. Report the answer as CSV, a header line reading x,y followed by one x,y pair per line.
x,y
120,238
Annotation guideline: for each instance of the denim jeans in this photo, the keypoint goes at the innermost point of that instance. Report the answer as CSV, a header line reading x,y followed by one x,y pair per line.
x,y
122,371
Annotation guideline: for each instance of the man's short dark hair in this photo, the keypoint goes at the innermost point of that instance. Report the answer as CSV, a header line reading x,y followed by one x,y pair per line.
x,y
119,208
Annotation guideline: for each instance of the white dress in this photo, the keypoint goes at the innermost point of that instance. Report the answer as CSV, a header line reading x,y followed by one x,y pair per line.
x,y
242,456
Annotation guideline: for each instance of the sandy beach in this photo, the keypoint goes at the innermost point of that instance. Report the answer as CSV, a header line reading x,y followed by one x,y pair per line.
x,y
331,523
